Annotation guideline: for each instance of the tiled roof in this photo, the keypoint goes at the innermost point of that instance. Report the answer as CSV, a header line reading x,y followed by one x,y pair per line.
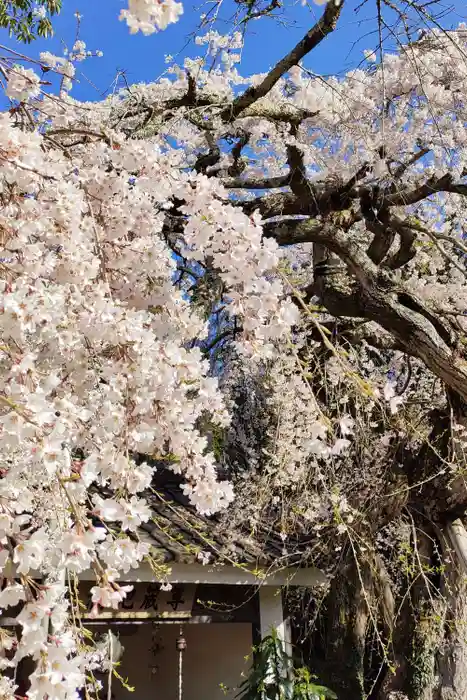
x,y
179,533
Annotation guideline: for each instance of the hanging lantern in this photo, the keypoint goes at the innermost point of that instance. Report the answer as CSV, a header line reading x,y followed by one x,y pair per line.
x,y
181,642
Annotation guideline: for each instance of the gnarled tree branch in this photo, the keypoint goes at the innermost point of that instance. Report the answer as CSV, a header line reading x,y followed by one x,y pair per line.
x,y
321,29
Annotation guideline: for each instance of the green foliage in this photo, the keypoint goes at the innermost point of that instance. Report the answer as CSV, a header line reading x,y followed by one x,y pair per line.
x,y
306,689
273,676
23,18
218,441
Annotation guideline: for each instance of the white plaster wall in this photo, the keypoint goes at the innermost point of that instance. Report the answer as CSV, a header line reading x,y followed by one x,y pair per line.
x,y
215,655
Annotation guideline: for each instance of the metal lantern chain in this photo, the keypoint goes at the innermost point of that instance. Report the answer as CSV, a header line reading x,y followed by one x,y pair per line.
x,y
180,646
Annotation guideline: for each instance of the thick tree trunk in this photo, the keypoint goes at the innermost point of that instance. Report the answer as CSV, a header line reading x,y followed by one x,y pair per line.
x,y
429,646
426,657
451,661
410,655
394,679
452,655
344,623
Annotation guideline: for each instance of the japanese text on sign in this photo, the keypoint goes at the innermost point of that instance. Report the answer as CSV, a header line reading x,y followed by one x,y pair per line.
x,y
147,600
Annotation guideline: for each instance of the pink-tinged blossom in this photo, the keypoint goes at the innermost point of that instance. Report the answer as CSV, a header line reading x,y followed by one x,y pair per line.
x,y
148,16
23,84
99,359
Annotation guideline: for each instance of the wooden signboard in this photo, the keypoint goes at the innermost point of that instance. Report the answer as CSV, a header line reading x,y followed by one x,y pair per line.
x,y
146,601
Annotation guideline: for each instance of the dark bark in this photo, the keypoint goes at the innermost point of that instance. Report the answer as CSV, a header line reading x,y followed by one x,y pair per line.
x,y
312,38
375,296
451,657
344,624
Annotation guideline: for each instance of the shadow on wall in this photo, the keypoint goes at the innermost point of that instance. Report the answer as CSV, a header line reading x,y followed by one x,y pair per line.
x,y
213,662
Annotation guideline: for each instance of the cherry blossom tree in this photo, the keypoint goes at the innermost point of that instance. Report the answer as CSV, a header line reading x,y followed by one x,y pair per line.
x,y
264,274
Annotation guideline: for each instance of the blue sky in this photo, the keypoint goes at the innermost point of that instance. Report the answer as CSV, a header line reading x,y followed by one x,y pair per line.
x,y
267,40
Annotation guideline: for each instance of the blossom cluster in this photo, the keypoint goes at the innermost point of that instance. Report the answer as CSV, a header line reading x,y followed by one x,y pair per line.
x,y
234,241
147,16
99,373
23,84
